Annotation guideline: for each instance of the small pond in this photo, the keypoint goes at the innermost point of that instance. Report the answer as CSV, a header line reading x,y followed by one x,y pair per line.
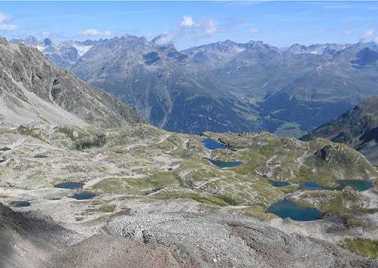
x,y
41,156
310,185
213,144
358,185
225,164
69,185
83,195
279,183
19,204
288,209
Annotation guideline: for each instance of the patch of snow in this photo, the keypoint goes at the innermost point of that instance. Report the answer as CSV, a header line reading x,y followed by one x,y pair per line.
x,y
41,48
82,49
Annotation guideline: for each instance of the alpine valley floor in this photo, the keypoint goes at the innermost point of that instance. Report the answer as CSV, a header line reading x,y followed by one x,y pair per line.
x,y
139,196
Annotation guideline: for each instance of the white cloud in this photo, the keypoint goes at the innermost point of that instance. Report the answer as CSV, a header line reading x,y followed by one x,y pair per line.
x,y
187,21
3,18
253,30
210,27
5,23
338,6
348,32
164,39
95,33
46,34
7,27
189,28
370,36
189,25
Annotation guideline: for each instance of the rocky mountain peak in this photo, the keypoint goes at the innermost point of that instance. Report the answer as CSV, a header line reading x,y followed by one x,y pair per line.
x,y
47,42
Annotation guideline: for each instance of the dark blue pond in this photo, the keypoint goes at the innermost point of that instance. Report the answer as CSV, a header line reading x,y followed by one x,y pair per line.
x,y
69,185
358,185
225,164
83,195
310,185
213,144
279,183
19,204
288,209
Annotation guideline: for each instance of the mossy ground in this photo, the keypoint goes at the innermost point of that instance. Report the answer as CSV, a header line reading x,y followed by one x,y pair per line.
x,y
257,211
146,162
203,198
364,247
107,208
138,185
346,205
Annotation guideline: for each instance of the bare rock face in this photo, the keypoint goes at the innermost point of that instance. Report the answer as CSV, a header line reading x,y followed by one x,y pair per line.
x,y
231,241
115,252
26,240
164,240
34,90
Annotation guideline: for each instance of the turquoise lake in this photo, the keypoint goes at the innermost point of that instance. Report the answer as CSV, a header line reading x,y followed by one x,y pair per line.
x,y
288,209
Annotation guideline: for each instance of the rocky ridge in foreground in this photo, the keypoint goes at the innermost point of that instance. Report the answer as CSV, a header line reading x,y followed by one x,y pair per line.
x,y
174,240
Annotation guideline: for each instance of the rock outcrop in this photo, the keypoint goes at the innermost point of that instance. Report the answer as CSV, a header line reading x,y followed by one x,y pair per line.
x,y
34,90
358,128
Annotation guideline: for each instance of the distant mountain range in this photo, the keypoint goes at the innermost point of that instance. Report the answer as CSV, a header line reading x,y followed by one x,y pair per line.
x,y
63,54
358,128
225,86
32,90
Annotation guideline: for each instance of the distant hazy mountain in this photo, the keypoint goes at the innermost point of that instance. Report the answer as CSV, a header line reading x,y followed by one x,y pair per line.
x,y
229,86
63,54
358,128
34,90
162,84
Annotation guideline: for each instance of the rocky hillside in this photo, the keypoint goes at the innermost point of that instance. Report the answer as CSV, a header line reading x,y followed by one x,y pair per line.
x,y
358,128
34,236
32,89
40,243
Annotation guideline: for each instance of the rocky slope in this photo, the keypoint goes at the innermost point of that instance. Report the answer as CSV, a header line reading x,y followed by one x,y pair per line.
x,y
250,243
32,89
358,128
27,239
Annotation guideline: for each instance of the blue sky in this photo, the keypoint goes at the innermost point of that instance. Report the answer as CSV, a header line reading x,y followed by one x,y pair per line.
x,y
194,23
